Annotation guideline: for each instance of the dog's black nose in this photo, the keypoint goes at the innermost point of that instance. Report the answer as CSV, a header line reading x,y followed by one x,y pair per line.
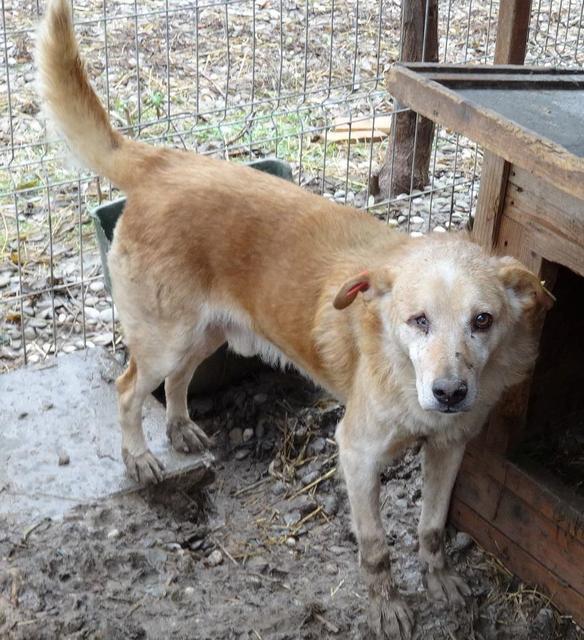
x,y
449,391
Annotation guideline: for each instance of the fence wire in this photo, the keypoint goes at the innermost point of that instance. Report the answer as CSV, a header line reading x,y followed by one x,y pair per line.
x,y
302,80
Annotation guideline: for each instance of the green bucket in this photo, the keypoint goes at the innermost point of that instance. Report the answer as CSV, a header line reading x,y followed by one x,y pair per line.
x,y
223,367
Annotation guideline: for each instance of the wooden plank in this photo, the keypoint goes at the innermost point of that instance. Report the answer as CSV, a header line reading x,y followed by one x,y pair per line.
x,y
552,220
560,551
565,509
508,80
501,67
518,561
510,51
554,210
490,200
514,239
356,135
503,137
507,421
379,123
563,250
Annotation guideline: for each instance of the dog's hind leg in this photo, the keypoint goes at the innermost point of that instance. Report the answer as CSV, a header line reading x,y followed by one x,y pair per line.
x,y
133,387
184,434
440,469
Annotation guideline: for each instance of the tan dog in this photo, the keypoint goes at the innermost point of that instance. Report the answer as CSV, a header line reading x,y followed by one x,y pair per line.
x,y
418,337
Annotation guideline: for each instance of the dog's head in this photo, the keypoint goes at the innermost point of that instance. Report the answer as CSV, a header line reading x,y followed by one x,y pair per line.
x,y
452,311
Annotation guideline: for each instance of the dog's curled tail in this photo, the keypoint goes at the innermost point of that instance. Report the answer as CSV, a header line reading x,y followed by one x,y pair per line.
x,y
73,106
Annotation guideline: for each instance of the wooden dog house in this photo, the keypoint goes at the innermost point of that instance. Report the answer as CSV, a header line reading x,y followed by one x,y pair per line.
x,y
531,206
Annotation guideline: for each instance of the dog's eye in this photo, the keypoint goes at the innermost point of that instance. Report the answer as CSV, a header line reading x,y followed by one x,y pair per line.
x,y
420,321
482,322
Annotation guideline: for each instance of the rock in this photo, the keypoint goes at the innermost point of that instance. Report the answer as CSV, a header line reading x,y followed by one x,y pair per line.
x,y
248,434
201,406
4,279
257,564
235,437
215,558
292,517
416,234
462,542
392,222
310,477
90,312
189,592
290,541
417,220
439,229
96,286
316,447
336,550
543,626
261,428
241,454
401,503
304,504
64,459
114,534
105,315
330,505
104,339
278,488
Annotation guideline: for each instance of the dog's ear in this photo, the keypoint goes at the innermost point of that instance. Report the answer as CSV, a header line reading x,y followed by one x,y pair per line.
x,y
524,287
370,283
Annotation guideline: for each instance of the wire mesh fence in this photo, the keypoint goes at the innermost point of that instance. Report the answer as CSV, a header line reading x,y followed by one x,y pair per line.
x,y
301,80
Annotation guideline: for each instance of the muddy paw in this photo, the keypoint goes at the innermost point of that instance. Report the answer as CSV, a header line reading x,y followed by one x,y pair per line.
x,y
390,617
446,586
144,468
186,437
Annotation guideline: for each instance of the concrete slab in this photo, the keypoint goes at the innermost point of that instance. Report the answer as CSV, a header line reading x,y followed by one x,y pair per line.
x,y
67,410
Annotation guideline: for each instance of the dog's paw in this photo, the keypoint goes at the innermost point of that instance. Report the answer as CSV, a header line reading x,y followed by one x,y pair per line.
x,y
186,437
446,586
390,618
144,468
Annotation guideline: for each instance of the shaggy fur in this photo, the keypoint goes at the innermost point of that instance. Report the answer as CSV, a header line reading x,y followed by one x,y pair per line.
x,y
208,251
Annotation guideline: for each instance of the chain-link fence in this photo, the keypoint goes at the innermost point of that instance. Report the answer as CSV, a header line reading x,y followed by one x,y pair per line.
x,y
301,80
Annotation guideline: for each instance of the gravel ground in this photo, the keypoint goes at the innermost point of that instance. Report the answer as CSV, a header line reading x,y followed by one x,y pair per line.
x,y
266,552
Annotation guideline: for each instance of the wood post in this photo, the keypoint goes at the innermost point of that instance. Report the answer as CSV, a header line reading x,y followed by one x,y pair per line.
x,y
512,33
410,146
510,48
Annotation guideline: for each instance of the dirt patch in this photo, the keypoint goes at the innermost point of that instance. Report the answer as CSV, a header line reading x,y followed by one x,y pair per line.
x,y
266,552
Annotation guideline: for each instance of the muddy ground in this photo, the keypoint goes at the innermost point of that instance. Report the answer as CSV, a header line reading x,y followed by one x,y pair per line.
x,y
263,552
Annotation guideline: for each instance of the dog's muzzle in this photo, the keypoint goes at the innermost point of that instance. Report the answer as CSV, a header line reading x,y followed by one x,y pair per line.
x,y
450,394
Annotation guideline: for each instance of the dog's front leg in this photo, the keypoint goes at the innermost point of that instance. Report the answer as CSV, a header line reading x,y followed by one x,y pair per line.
x,y
441,466
389,616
